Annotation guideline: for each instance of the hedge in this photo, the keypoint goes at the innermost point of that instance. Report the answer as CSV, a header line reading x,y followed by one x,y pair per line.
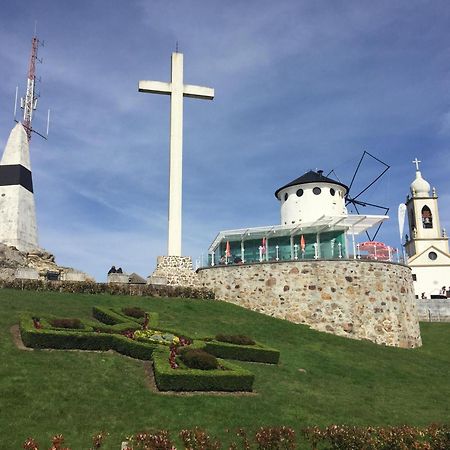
x,y
255,353
153,317
117,329
235,378
46,323
107,315
64,339
113,316
90,287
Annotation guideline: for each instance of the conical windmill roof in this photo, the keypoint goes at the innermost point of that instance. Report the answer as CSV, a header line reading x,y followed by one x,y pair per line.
x,y
309,178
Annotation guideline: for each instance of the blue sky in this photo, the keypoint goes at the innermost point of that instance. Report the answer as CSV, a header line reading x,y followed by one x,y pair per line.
x,y
299,85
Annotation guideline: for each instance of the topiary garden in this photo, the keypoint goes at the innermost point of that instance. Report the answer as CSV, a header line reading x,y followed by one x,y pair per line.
x,y
179,362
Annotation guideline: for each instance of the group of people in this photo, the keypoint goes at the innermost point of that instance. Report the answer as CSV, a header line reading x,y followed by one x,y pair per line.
x,y
114,270
231,260
443,291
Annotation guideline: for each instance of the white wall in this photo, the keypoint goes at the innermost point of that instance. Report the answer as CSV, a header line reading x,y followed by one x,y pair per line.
x,y
309,206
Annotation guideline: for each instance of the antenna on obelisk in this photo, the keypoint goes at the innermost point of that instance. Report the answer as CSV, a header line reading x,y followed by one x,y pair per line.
x,y
29,102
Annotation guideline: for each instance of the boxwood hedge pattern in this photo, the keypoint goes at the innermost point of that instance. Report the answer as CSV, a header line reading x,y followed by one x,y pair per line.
x,y
254,353
113,316
230,378
106,333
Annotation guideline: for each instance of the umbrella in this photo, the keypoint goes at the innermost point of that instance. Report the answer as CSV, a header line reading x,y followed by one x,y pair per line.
x,y
302,243
227,250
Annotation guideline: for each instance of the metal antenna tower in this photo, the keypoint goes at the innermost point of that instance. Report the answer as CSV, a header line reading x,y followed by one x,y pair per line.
x,y
29,103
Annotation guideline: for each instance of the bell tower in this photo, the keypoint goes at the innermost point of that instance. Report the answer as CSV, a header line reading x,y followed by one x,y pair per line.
x,y
423,218
426,244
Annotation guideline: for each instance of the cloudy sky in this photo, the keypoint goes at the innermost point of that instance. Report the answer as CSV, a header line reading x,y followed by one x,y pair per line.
x,y
299,85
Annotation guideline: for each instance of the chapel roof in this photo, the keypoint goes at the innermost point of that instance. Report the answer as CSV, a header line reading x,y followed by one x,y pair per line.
x,y
311,177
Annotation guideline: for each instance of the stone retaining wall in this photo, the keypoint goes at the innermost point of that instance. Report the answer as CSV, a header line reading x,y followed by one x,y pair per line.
x,y
358,299
434,310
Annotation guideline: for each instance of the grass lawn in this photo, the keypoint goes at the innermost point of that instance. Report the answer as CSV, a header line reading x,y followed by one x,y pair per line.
x,y
79,393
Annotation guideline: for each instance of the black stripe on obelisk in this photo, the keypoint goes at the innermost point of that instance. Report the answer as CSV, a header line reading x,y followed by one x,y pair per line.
x,y
16,175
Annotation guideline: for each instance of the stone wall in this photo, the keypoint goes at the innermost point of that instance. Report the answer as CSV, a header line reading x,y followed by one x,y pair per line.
x,y
434,310
357,299
174,271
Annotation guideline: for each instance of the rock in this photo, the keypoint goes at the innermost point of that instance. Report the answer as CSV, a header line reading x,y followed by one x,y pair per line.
x,y
36,261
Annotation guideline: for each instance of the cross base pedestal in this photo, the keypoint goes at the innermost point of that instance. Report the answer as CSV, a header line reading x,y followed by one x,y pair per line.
x,y
174,271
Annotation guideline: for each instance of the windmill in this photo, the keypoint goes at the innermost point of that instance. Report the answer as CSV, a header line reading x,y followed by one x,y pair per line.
x,y
356,200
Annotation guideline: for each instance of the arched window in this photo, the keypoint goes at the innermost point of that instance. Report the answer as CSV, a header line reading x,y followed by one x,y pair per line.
x,y
427,218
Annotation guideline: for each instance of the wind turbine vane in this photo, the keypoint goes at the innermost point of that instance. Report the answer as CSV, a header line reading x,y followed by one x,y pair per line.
x,y
30,101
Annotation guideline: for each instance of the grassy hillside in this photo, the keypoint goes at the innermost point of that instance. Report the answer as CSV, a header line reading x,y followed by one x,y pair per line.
x,y
342,381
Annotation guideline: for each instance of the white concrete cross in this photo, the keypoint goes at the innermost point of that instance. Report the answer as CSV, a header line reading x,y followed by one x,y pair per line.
x,y
177,90
416,162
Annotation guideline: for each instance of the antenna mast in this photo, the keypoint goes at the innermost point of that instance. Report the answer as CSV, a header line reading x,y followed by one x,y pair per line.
x,y
29,104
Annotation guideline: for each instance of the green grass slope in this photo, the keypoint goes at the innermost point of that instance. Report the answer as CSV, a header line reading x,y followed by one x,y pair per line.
x,y
342,381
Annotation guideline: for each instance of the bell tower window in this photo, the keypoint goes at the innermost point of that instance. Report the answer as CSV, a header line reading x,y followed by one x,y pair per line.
x,y
427,218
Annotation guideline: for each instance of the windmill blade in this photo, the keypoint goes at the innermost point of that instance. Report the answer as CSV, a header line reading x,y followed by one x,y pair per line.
x,y
384,208
387,167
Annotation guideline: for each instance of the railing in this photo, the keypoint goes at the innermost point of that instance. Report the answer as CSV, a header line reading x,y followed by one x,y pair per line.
x,y
224,260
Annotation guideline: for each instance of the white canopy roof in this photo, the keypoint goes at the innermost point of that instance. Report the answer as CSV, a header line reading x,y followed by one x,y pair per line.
x,y
351,224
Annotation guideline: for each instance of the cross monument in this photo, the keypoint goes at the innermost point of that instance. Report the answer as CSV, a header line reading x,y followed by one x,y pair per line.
x,y
177,90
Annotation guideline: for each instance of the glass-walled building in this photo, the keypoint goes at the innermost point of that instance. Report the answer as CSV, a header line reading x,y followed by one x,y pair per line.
x,y
314,225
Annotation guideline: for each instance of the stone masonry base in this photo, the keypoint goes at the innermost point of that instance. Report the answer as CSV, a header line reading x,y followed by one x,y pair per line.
x,y
358,299
174,271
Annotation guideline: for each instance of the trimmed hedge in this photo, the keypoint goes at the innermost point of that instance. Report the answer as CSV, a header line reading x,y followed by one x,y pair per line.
x,y
113,316
119,328
195,358
234,378
153,317
64,339
239,339
108,316
46,322
255,353
90,287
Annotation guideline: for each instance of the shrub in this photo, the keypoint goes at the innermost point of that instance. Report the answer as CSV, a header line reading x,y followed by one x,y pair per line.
x,y
196,358
404,437
83,340
238,339
66,323
159,440
198,439
255,353
134,311
107,316
232,379
275,438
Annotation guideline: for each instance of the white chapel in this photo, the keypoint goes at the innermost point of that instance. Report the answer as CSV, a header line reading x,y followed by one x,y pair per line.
x,y
427,243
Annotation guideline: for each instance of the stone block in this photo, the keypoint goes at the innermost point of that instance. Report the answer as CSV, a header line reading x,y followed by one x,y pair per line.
x,y
156,280
26,273
73,276
118,278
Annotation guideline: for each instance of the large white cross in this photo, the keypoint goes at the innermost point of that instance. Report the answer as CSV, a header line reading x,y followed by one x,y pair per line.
x,y
416,162
177,90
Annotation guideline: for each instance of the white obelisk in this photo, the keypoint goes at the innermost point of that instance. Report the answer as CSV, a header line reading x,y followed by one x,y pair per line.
x,y
177,90
17,208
